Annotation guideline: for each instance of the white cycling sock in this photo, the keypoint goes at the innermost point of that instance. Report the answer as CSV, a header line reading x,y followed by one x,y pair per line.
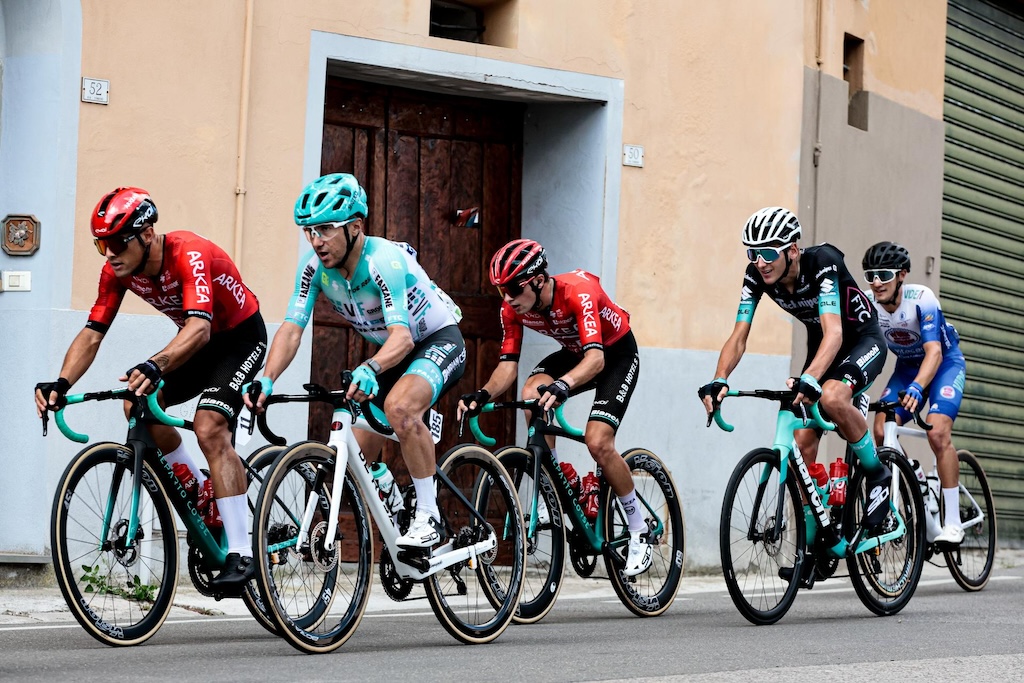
x,y
426,496
234,513
631,506
951,498
181,454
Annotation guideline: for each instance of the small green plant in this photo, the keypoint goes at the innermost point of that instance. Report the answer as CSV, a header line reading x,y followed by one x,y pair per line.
x,y
134,589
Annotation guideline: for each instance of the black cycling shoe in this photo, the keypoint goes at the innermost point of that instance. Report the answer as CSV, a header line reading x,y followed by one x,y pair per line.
x,y
807,574
876,504
238,571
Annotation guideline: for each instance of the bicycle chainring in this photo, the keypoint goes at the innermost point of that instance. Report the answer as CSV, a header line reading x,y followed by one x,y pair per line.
x,y
201,576
397,588
325,559
582,556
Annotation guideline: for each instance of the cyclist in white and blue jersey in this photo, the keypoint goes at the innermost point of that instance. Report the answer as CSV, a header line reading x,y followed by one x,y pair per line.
x,y
929,365
378,286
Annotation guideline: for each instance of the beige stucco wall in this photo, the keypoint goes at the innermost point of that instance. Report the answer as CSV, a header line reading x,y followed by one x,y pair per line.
x,y
713,91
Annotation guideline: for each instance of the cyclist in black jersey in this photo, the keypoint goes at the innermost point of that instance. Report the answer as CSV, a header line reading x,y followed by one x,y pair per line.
x,y
845,346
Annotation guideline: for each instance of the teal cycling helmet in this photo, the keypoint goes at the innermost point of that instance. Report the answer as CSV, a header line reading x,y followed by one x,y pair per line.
x,y
331,198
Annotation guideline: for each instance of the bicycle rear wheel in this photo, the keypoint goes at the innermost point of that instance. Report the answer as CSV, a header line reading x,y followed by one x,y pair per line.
x,y
120,595
971,562
652,592
476,600
762,531
545,548
316,596
259,461
886,577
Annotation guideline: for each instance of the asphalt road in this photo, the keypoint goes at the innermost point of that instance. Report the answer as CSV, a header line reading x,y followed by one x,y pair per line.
x,y
943,634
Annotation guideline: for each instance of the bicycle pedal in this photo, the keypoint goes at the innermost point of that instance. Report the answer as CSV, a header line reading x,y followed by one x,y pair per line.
x,y
417,558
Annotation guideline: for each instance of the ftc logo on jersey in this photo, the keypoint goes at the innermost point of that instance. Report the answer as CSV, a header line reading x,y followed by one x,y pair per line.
x,y
857,305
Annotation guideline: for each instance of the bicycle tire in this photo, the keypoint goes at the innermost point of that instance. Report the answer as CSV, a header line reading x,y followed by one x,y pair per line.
x,y
105,586
885,580
475,604
316,597
545,550
259,460
751,565
971,562
651,593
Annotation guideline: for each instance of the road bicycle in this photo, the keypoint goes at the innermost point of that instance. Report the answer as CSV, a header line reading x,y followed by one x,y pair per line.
x,y
765,553
114,539
971,561
548,506
314,548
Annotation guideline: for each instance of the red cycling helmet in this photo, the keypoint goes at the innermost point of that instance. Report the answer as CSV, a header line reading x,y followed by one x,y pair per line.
x,y
126,210
517,261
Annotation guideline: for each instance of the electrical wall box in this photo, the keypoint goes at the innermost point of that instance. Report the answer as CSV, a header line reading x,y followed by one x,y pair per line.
x,y
16,281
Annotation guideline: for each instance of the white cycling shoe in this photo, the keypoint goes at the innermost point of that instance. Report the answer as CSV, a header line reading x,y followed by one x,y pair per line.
x,y
640,554
543,516
950,535
424,532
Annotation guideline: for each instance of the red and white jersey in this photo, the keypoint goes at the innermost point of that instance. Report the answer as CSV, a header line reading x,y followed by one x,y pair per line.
x,y
197,278
581,317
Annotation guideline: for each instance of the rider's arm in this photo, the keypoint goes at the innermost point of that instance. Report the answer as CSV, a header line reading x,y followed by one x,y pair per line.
x,y
502,378
733,350
283,349
395,348
588,368
190,338
831,342
77,360
930,364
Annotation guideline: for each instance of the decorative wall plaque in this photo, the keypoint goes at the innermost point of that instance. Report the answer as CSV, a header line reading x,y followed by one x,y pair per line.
x,y
21,235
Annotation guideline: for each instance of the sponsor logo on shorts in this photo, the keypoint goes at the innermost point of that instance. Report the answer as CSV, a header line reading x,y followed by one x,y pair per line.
x,y
947,392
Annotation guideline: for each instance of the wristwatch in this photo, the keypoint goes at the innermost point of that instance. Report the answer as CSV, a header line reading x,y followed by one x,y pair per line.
x,y
373,365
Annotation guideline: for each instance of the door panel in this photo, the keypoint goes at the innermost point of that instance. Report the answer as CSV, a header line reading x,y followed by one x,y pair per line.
x,y
421,156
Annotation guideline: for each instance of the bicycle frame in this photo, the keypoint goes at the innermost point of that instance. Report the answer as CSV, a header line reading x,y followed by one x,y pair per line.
x,y
786,423
144,450
538,447
891,434
343,441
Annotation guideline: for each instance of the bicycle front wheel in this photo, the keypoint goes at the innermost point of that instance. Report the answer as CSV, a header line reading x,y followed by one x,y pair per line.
x,y
971,562
316,594
652,592
259,463
886,577
545,547
762,531
476,600
119,589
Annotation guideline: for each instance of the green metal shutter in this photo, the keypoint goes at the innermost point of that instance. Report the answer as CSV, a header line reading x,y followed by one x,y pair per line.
x,y
982,276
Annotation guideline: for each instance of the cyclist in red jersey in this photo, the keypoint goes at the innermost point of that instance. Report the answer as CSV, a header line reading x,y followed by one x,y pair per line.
x,y
219,347
598,352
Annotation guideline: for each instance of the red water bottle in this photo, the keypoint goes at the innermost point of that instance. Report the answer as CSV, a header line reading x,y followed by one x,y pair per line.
x,y
588,495
818,474
839,473
186,478
570,474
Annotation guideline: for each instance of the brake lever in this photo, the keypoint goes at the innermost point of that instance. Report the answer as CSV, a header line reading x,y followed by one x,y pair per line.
x,y
45,418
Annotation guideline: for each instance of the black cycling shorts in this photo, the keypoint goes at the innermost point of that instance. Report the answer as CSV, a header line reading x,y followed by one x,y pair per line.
x,y
220,369
858,364
614,384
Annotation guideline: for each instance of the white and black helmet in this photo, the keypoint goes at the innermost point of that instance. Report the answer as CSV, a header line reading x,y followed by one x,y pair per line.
x,y
772,226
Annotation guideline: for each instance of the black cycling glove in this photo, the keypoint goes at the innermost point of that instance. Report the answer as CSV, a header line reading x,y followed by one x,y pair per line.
x,y
712,389
150,369
809,387
61,386
559,389
480,397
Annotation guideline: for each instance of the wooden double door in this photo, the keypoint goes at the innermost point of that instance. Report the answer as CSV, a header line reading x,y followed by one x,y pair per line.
x,y
421,157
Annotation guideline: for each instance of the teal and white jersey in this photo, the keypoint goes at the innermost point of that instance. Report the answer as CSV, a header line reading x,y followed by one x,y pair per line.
x,y
388,287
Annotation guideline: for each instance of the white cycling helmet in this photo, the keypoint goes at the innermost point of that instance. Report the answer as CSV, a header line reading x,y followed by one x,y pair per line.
x,y
772,226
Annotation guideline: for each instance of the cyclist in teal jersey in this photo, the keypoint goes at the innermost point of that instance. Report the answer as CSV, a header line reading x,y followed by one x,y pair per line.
x,y
846,349
380,288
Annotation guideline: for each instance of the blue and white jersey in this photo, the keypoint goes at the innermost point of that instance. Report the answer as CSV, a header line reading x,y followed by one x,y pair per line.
x,y
916,321
388,287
